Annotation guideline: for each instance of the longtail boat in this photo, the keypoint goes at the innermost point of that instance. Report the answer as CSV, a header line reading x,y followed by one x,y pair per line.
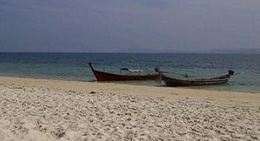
x,y
173,82
105,76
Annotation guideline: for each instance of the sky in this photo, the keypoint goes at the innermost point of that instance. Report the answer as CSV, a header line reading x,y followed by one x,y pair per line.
x,y
128,25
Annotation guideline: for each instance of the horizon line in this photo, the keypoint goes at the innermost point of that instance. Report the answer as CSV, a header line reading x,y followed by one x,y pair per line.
x,y
133,52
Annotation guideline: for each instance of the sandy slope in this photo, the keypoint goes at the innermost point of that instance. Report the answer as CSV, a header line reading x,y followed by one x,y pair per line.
x,y
42,110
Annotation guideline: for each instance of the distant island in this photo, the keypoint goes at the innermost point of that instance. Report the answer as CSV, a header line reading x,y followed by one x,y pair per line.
x,y
235,51
242,51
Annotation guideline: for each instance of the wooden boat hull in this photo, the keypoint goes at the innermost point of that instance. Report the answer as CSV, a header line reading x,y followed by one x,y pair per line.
x,y
104,76
173,82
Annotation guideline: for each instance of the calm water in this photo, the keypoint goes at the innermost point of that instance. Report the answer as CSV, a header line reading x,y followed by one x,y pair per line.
x,y
73,66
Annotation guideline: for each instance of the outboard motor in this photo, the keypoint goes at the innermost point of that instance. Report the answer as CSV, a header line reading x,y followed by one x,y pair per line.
x,y
157,69
230,72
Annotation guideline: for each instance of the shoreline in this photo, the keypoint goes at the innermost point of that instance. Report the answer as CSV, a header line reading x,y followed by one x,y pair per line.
x,y
121,87
48,110
152,84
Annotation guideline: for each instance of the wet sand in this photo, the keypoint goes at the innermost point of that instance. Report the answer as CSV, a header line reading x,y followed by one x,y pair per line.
x,y
49,110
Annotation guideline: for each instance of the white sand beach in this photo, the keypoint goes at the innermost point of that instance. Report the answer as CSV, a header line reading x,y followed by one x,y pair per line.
x,y
50,110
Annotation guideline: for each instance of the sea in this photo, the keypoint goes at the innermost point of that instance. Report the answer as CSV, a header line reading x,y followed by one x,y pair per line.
x,y
74,66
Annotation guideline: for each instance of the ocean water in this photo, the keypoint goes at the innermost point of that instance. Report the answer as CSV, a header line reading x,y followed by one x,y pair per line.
x,y
73,66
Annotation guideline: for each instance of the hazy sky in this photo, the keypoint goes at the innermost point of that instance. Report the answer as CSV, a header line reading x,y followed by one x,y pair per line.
x,y
128,25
